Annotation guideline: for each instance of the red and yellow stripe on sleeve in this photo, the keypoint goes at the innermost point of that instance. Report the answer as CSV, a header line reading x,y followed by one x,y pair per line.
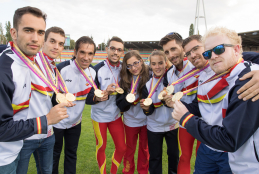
x,y
39,128
186,119
21,106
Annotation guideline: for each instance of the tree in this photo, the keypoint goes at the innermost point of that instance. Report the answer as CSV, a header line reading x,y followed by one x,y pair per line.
x,y
191,30
72,44
2,36
101,46
92,37
7,28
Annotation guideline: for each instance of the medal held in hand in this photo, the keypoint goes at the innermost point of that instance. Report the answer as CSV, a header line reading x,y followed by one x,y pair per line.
x,y
170,88
69,97
118,88
49,82
177,96
131,97
98,93
148,101
60,98
160,95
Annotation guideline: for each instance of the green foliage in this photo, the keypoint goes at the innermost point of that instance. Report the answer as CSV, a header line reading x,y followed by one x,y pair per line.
x,y
101,46
86,156
2,36
191,30
72,44
7,28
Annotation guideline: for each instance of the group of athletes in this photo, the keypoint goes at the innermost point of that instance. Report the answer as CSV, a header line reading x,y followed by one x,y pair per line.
x,y
202,88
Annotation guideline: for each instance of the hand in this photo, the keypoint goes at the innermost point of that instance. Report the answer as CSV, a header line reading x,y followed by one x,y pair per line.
x,y
111,88
57,113
251,88
70,104
104,98
179,110
168,100
146,108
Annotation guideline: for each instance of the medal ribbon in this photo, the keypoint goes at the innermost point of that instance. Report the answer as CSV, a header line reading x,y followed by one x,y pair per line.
x,y
151,89
61,82
90,81
36,71
216,76
190,74
183,68
48,72
116,81
134,85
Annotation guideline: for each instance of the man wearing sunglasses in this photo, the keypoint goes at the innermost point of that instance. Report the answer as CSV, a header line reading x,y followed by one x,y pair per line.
x,y
230,124
105,113
172,46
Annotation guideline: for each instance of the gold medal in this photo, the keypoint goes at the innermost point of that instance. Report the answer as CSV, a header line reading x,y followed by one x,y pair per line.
x,y
61,98
130,98
70,97
119,90
98,93
147,102
177,96
170,89
160,95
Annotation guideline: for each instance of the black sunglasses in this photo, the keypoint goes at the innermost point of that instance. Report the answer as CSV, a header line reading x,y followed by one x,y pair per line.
x,y
219,49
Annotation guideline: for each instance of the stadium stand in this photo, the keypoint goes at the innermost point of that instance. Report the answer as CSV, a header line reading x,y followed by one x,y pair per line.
x,y
250,43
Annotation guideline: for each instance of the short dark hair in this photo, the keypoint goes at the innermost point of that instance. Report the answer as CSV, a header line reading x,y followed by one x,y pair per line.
x,y
54,30
191,38
114,38
25,10
171,36
84,40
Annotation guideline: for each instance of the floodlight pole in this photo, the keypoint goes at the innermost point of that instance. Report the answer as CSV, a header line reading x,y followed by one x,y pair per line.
x,y
197,16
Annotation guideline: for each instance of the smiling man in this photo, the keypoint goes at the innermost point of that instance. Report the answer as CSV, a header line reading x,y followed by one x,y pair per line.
x,y
172,46
74,73
105,113
53,44
232,125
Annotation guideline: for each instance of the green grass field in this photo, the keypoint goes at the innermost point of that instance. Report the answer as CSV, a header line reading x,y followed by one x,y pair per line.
x,y
86,160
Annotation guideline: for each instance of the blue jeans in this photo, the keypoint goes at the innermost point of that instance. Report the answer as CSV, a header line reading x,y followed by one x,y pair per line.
x,y
10,168
212,162
42,150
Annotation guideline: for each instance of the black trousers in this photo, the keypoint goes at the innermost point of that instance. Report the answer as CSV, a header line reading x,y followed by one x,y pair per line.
x,y
155,146
71,138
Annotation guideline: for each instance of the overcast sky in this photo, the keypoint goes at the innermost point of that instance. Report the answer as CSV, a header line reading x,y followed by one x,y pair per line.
x,y
137,20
